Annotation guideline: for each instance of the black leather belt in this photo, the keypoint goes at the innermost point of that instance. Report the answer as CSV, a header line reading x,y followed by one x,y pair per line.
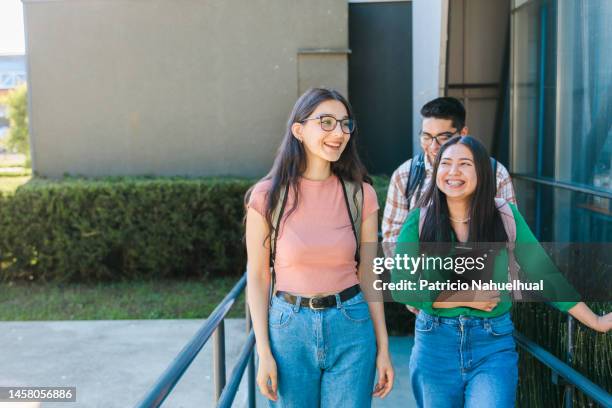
x,y
320,302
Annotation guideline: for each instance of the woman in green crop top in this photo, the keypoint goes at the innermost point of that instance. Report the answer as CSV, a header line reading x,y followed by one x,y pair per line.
x,y
464,353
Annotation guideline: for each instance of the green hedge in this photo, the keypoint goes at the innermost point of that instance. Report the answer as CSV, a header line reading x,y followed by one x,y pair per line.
x,y
122,228
125,228
381,184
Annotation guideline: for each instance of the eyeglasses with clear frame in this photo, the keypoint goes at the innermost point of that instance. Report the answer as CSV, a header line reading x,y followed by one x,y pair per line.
x,y
441,138
329,123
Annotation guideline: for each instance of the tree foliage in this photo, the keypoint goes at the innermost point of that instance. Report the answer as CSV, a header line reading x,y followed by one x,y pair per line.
x,y
18,136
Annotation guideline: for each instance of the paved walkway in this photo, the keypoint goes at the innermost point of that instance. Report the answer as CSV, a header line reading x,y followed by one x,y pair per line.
x,y
113,363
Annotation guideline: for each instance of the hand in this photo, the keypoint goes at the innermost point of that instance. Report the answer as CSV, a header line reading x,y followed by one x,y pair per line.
x,y
603,323
385,375
412,309
267,372
585,315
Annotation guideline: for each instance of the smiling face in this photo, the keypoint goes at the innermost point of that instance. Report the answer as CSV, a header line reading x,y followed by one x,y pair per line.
x,y
318,143
457,173
442,128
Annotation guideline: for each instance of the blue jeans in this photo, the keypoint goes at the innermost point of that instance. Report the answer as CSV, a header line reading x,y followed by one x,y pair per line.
x,y
325,358
464,362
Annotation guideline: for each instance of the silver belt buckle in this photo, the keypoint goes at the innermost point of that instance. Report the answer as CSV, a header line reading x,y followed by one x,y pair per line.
x,y
310,305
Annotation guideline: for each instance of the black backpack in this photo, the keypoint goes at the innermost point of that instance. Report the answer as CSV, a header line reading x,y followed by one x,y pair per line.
x,y
417,175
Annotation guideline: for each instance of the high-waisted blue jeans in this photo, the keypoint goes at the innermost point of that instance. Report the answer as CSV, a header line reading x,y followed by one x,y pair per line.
x,y
464,362
325,358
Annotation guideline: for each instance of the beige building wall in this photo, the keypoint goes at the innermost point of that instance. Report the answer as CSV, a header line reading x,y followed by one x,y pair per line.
x,y
174,87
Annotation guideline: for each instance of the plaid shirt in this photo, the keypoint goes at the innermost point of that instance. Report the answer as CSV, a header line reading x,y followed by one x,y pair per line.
x,y
396,208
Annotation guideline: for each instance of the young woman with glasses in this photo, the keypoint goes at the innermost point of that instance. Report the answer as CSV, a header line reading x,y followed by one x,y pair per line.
x,y
464,353
319,342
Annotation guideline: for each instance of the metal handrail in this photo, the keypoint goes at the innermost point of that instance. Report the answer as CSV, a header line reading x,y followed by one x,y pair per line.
x,y
572,376
166,382
577,188
230,390
170,377
575,379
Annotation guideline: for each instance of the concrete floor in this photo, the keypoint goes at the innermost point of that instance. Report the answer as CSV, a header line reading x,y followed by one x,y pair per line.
x,y
113,363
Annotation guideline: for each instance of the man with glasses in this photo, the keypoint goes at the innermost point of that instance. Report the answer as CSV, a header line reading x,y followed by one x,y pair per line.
x,y
443,118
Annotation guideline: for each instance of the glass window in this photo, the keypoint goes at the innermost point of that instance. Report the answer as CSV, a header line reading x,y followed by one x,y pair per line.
x,y
562,91
561,126
584,91
526,87
559,215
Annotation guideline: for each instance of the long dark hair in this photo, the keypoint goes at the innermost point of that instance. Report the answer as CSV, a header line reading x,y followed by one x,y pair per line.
x,y
485,223
290,161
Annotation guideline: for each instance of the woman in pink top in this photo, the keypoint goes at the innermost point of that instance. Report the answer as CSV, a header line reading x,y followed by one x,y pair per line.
x,y
319,342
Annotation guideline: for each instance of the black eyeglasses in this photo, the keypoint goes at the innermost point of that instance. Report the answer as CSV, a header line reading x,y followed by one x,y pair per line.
x,y
329,123
440,138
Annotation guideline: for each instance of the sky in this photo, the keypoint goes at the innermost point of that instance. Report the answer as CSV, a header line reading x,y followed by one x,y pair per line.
x,y
11,27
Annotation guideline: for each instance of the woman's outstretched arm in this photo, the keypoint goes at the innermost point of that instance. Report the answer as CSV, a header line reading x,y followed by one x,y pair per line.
x,y
586,316
534,260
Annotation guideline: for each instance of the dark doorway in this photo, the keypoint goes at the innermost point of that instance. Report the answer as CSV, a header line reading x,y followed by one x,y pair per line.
x,y
380,81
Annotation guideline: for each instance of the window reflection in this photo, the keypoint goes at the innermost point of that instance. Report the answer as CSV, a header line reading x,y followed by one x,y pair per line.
x,y
561,112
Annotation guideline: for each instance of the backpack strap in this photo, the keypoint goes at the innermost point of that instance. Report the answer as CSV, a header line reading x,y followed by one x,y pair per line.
x,y
422,215
276,216
415,177
507,217
353,198
494,167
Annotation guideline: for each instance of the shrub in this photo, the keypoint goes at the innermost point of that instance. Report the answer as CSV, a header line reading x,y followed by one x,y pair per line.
x,y
125,228
122,228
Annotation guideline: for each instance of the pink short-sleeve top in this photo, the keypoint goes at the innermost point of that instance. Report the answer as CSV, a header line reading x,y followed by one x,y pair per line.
x,y
315,250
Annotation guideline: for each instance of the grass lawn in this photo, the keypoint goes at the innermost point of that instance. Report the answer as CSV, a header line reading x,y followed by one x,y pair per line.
x,y
12,172
109,301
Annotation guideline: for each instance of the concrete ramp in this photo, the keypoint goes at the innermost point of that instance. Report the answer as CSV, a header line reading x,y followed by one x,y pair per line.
x,y
112,363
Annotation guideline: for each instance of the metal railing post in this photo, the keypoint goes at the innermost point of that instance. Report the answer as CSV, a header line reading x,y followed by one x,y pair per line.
x,y
164,385
569,358
219,359
251,366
